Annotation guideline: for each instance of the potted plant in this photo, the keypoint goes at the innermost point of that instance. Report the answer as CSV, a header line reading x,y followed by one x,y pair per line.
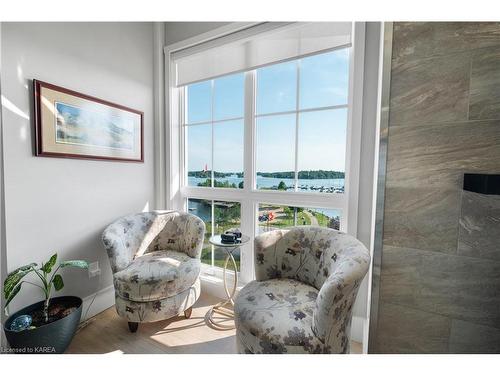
x,y
49,325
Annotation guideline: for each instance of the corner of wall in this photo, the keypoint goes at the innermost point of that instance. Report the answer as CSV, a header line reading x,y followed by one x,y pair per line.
x,y
159,84
3,254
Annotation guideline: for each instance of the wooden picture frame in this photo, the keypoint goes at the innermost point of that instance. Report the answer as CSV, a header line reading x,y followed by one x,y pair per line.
x,y
69,124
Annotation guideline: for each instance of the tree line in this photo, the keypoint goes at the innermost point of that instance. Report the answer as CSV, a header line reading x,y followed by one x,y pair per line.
x,y
303,175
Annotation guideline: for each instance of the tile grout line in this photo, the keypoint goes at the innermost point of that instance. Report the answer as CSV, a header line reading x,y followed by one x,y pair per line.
x,y
443,123
443,253
406,60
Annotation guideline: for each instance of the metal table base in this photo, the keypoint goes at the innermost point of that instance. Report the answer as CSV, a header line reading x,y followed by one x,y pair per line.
x,y
221,307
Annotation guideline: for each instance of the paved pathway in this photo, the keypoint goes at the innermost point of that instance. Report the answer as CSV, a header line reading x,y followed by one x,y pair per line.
x,y
314,221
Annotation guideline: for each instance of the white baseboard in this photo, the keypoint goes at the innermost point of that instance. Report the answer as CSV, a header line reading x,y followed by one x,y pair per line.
x,y
104,299
357,328
214,285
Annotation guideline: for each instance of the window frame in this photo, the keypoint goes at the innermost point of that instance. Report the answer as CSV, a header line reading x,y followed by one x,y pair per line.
x,y
249,197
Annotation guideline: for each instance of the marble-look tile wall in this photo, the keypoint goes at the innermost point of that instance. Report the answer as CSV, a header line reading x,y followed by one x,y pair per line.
x,y
440,275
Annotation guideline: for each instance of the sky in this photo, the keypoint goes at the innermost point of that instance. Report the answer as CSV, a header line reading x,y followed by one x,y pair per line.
x,y
321,134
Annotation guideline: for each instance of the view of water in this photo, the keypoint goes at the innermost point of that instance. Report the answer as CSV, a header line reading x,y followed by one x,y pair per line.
x,y
203,211
312,185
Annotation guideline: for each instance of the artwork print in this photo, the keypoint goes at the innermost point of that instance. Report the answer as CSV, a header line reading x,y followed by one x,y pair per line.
x,y
75,125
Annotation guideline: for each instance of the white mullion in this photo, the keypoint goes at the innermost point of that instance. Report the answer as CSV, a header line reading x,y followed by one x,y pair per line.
x,y
212,209
333,201
212,100
249,273
246,253
305,110
249,131
247,215
297,106
177,151
173,139
183,160
353,141
214,121
212,174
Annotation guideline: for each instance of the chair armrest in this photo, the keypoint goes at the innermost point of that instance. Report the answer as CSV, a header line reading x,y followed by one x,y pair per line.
x,y
120,245
333,311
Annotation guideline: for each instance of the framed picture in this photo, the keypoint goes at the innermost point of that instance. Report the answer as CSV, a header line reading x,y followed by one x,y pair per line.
x,y
73,125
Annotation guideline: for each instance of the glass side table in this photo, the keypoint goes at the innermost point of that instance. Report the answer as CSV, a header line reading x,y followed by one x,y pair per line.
x,y
222,307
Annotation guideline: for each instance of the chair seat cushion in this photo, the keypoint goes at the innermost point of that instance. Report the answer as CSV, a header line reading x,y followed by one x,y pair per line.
x,y
275,316
157,275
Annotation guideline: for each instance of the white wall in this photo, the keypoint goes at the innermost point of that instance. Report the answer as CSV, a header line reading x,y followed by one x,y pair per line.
x,y
177,31
63,205
3,262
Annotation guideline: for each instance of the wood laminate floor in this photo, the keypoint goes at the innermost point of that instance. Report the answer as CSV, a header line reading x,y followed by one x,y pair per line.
x,y
108,333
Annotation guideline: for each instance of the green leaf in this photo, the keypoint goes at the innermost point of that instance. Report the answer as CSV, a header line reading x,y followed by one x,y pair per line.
x,y
12,294
14,277
58,282
47,267
75,263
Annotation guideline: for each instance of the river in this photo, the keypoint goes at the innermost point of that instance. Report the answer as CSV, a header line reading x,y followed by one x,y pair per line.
x,y
312,185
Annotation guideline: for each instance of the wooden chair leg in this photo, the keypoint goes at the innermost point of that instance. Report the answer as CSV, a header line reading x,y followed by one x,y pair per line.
x,y
188,312
132,326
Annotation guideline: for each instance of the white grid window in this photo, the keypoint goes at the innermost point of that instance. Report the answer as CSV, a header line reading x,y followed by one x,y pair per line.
x,y
276,142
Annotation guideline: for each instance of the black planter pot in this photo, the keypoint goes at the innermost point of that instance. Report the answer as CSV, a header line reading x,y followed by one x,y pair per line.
x,y
50,338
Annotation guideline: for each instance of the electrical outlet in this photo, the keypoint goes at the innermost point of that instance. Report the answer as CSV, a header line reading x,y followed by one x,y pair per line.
x,y
94,270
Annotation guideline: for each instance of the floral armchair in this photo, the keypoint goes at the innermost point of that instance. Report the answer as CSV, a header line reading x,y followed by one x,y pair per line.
x,y
155,259
307,279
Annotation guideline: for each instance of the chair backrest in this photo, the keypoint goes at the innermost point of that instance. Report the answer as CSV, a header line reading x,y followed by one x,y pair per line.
x,y
146,232
306,253
177,231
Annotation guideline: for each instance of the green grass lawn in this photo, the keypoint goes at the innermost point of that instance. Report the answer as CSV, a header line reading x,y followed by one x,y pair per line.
x,y
219,257
302,218
287,221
